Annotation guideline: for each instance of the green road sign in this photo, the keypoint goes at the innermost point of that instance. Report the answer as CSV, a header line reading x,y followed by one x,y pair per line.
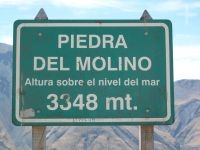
x,y
86,72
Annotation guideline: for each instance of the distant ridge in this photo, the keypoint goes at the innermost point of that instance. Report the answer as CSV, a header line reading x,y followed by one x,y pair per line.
x,y
189,83
5,47
187,89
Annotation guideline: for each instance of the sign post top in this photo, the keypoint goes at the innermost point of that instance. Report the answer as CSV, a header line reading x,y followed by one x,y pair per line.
x,y
41,15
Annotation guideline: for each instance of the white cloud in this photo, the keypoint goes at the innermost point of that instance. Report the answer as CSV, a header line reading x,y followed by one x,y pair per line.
x,y
6,39
187,52
95,4
186,37
187,62
17,2
174,6
87,4
195,5
170,5
127,6
186,69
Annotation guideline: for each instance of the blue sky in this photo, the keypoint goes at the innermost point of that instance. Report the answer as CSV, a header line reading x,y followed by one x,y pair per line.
x,y
184,14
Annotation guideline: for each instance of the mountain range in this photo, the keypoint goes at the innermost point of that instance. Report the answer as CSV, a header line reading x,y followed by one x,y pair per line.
x,y
184,134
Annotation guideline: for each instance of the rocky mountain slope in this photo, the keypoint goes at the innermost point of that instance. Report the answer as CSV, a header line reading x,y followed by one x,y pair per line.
x,y
184,134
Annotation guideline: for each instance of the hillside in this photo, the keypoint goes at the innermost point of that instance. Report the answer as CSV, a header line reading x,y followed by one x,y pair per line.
x,y
184,134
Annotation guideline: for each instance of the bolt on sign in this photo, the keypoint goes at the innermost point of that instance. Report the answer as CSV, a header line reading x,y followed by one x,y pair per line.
x,y
87,72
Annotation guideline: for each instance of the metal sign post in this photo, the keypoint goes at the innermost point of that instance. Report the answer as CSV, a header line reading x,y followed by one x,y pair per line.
x,y
38,137
146,140
39,132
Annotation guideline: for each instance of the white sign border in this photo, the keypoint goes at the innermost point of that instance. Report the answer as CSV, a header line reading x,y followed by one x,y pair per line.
x,y
88,120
